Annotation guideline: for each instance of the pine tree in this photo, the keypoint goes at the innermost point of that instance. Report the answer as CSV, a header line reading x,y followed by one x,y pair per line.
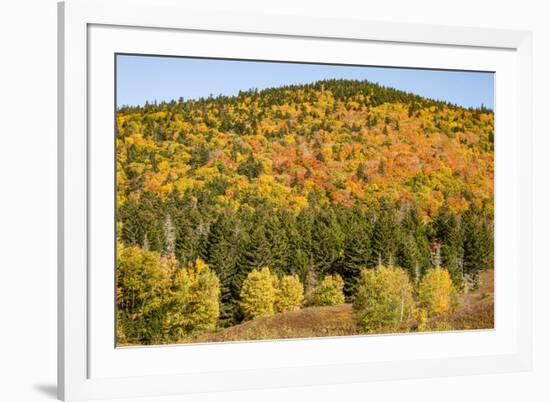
x,y
413,251
361,173
357,247
448,232
224,240
476,244
268,243
385,236
328,241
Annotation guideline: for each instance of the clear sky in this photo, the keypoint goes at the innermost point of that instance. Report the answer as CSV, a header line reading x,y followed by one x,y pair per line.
x,y
146,78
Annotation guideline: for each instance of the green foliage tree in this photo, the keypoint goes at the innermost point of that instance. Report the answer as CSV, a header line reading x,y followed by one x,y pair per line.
x,y
251,168
267,244
328,240
225,244
384,299
477,237
385,236
448,233
356,247
413,250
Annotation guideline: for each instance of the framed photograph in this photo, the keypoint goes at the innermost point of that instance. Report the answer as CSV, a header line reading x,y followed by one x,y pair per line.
x,y
253,201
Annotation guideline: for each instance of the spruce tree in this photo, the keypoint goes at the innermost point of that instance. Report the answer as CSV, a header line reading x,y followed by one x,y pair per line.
x,y
357,247
413,251
476,244
448,231
224,241
385,236
328,241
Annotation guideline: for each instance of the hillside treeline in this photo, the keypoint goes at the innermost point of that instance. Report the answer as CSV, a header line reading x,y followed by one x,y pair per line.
x,y
310,180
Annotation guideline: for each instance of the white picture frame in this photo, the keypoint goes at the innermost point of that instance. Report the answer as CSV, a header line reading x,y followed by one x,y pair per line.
x,y
91,32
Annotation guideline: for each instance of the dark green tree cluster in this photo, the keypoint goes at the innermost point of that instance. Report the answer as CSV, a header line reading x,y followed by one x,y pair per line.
x,y
316,242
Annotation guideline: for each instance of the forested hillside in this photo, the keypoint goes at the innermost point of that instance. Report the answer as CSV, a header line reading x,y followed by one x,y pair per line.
x,y
311,181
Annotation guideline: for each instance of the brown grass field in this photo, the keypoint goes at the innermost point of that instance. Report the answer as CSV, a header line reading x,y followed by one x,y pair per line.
x,y
475,310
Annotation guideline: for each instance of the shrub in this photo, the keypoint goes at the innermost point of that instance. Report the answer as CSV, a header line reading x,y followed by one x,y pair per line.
x,y
258,294
436,292
330,291
290,294
383,298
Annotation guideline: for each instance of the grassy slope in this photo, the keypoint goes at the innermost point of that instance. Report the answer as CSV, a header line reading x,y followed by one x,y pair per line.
x,y
475,311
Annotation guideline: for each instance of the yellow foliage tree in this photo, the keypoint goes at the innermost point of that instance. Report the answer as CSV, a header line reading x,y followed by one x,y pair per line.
x,y
258,294
142,290
384,298
194,301
436,292
422,318
330,291
159,303
290,294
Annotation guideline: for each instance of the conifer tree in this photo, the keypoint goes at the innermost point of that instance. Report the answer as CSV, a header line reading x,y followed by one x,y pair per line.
x,y
356,249
475,244
224,240
385,236
413,250
328,241
447,230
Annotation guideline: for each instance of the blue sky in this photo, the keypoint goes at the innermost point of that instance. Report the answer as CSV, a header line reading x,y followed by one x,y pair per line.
x,y
146,78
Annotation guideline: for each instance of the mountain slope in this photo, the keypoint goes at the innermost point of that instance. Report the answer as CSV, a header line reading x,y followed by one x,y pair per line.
x,y
336,142
326,178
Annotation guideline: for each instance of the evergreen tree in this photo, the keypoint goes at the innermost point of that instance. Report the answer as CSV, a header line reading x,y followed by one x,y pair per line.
x,y
413,251
385,236
448,232
357,247
328,241
224,242
476,240
268,243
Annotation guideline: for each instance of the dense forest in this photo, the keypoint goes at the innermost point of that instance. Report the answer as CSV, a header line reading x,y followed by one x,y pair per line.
x,y
316,182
